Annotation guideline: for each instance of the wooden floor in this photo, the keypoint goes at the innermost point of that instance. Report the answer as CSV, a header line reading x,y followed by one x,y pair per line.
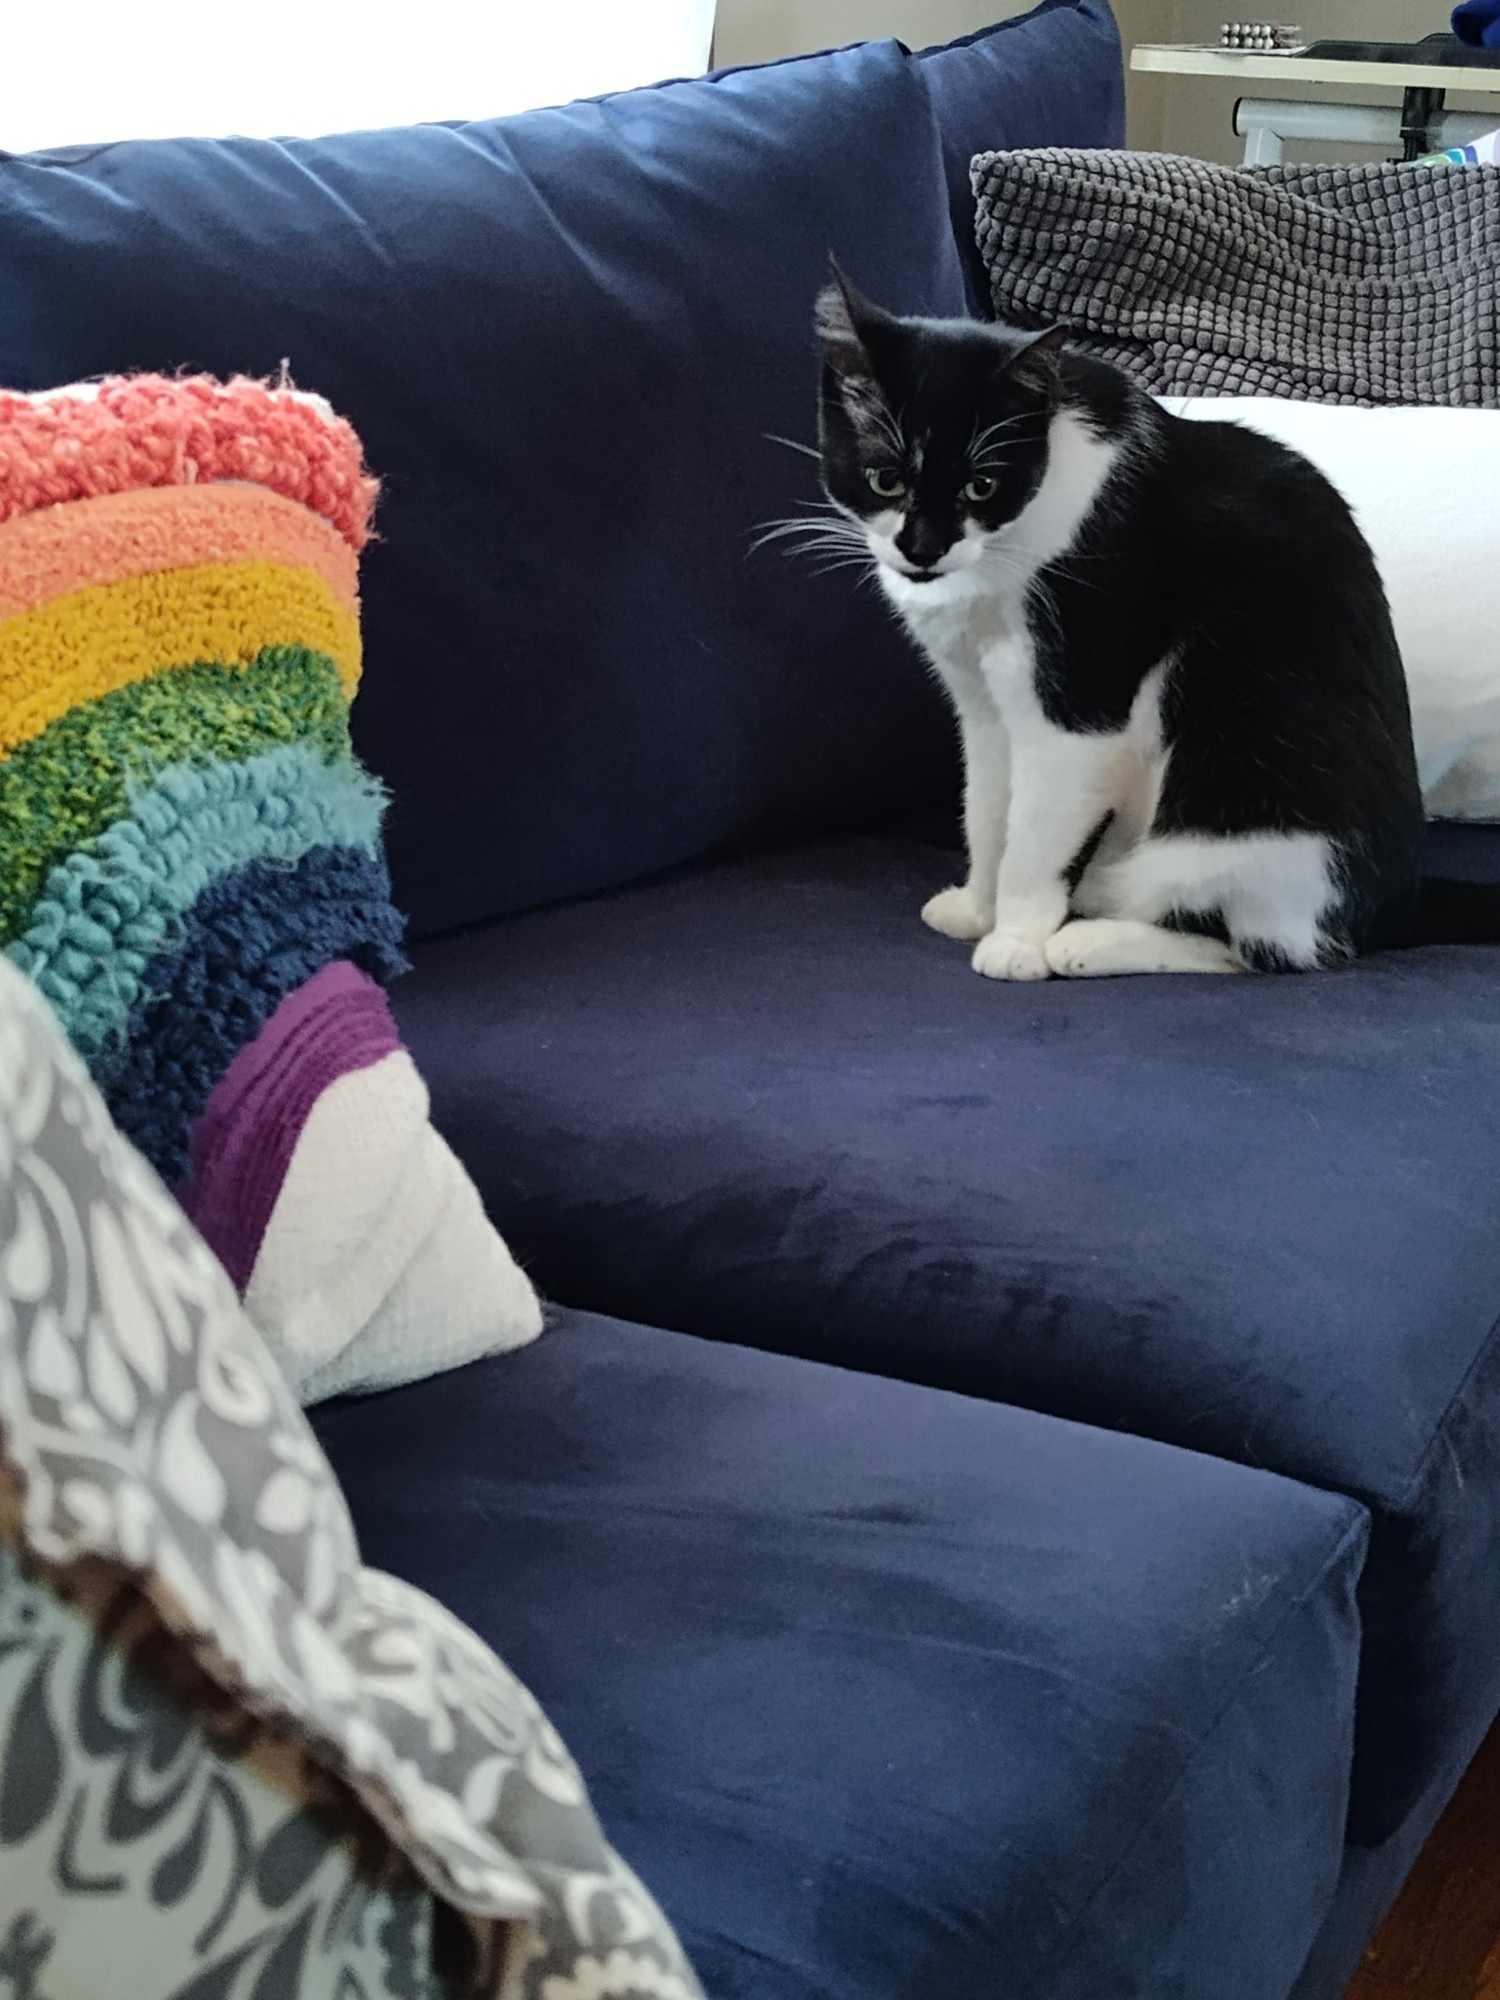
x,y
1442,1939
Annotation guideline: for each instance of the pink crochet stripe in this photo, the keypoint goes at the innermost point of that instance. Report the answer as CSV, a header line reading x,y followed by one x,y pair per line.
x,y
149,430
243,1143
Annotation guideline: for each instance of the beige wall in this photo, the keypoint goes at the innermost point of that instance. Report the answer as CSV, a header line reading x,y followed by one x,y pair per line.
x,y
1170,114
760,30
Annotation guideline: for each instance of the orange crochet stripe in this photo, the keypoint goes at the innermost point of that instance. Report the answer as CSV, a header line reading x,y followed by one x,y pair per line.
x,y
61,549
112,635
150,430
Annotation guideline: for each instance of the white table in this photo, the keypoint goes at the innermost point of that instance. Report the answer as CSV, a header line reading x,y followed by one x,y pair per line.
x,y
1420,124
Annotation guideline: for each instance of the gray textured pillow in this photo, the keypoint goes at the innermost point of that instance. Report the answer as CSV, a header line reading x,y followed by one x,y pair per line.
x,y
1336,284
147,1438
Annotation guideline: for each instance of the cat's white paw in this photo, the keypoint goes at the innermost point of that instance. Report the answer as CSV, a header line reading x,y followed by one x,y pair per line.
x,y
957,914
1003,955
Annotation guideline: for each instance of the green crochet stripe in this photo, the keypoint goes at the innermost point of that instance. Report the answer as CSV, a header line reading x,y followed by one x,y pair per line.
x,y
59,792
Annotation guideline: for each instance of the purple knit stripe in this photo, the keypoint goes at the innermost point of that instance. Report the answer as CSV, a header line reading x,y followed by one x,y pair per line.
x,y
338,1021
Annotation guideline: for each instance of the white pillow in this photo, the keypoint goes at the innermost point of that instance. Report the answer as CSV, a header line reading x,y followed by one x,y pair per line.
x,y
1423,486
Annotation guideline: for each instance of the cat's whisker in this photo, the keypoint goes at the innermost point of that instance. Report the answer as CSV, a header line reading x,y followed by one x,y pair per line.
x,y
782,530
838,555
994,454
852,548
818,531
803,525
978,443
865,568
808,450
889,429
829,517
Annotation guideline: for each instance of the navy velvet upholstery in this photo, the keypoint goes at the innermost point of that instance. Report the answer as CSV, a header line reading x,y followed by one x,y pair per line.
x,y
1255,1217
887,1692
547,331
1463,851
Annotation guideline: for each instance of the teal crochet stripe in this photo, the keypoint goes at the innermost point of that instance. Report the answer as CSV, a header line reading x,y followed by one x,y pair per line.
x,y
105,914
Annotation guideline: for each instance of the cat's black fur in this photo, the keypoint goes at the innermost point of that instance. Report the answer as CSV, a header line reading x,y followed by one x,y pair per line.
x,y
1285,708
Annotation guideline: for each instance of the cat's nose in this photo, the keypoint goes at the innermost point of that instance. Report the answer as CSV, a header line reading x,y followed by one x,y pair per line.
x,y
923,547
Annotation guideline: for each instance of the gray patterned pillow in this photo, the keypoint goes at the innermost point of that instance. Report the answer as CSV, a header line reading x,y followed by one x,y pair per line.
x,y
148,1440
154,1838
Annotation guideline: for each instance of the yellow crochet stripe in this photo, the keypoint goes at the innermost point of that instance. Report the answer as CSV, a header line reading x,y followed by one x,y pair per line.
x,y
112,635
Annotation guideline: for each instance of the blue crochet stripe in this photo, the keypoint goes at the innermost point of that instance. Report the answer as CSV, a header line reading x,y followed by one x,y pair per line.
x,y
106,913
250,939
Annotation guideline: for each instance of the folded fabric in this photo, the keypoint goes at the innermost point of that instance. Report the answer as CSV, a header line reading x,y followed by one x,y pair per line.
x,y
1421,483
1335,284
191,866
1477,22
1481,152
94,1691
240,1762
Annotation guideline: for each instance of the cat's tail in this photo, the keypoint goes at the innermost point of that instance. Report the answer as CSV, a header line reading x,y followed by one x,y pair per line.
x,y
1458,912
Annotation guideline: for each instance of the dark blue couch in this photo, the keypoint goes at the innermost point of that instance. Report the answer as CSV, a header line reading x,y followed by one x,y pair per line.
x,y
1116,1612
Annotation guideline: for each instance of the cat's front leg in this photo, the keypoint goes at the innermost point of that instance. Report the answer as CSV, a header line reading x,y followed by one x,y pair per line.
x,y
1062,784
967,910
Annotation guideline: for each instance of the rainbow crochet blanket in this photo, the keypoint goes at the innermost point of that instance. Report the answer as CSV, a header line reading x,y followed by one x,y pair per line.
x,y
190,857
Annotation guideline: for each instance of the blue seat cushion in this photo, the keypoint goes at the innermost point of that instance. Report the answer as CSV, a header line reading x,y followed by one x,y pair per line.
x,y
887,1692
1254,1217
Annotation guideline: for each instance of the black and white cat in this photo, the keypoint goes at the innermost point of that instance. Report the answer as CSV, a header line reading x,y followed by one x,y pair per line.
x,y
1187,745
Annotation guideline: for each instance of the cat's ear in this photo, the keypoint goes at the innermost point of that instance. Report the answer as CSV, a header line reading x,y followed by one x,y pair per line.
x,y
843,316
1034,366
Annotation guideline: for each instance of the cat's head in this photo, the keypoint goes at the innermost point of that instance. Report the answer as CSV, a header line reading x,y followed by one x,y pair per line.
x,y
933,433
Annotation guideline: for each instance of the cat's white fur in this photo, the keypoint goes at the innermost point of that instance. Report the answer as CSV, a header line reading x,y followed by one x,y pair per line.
x,y
1033,793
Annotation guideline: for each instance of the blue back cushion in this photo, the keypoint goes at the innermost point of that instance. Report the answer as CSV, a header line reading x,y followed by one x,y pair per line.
x,y
566,339
1053,77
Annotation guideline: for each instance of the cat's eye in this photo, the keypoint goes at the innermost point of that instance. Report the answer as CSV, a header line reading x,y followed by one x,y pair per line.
x,y
980,489
886,481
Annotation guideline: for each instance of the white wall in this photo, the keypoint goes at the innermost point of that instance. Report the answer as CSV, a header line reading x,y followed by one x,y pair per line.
x,y
81,71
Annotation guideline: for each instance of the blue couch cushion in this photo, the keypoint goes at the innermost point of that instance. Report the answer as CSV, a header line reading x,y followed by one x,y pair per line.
x,y
1256,1217
1053,77
885,1692
567,339
1463,850
564,338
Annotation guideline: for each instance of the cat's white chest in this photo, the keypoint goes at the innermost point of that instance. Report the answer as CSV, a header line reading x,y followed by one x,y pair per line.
x,y
959,629
1007,661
